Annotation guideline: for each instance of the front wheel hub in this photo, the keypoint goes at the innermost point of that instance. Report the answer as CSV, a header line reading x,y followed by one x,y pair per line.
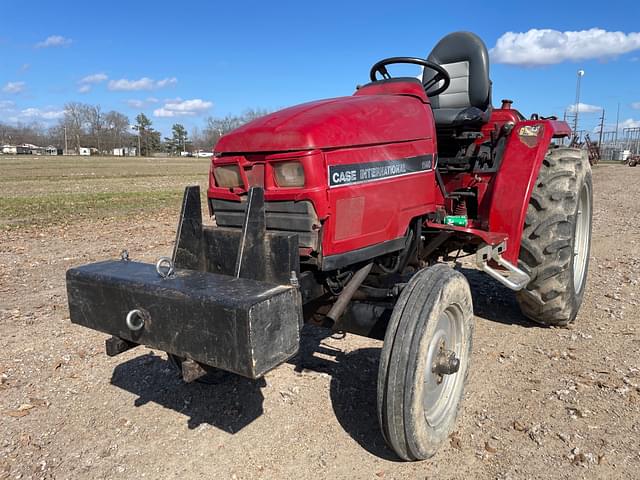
x,y
446,363
445,358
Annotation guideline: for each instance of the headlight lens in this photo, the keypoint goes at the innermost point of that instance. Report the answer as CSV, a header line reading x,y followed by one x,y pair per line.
x,y
228,176
288,174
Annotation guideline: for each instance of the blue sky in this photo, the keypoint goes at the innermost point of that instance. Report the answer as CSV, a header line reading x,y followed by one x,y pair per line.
x,y
185,61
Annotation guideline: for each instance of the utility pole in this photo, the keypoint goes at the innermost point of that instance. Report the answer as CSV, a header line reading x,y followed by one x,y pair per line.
x,y
615,141
601,129
66,145
577,107
139,150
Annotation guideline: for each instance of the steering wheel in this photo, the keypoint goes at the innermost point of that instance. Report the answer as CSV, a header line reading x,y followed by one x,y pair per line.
x,y
441,75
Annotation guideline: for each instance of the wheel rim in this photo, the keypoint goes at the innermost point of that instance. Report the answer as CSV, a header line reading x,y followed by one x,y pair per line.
x,y
581,242
441,392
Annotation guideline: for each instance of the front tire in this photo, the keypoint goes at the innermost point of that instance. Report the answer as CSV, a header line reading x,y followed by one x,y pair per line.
x,y
556,239
417,400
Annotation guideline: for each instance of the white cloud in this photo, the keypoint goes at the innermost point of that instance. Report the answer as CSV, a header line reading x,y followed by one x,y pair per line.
x,y
180,108
36,113
635,105
546,46
87,82
31,114
14,87
166,82
134,103
54,41
630,123
144,83
584,108
94,78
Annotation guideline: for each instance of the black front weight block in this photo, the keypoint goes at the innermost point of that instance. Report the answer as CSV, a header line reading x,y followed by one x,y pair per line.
x,y
229,304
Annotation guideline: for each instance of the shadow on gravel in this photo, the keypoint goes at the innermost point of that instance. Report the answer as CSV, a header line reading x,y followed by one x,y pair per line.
x,y
352,389
231,405
493,301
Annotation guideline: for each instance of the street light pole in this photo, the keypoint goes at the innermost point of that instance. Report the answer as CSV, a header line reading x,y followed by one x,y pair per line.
x,y
577,107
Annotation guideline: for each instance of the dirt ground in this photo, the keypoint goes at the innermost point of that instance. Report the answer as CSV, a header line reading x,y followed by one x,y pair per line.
x,y
540,402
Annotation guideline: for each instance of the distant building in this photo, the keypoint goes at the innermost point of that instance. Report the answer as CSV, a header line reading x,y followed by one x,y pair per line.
x,y
52,150
24,149
125,152
84,151
32,149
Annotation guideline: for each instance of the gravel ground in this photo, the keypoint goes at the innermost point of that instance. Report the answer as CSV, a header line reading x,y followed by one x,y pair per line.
x,y
540,402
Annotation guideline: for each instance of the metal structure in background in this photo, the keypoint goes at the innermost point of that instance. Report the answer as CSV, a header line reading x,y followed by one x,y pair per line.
x,y
614,145
611,146
620,147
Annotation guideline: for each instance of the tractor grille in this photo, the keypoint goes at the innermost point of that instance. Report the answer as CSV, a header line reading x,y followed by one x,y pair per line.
x,y
288,217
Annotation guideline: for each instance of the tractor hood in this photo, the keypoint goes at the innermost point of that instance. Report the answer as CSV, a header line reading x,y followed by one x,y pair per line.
x,y
337,122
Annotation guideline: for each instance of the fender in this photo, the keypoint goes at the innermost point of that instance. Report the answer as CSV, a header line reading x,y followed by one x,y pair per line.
x,y
526,149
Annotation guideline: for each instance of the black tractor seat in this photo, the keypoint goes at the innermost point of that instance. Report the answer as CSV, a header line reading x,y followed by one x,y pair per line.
x,y
466,104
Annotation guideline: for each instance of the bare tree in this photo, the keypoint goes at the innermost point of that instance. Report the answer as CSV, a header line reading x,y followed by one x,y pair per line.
x,y
74,117
117,126
198,140
217,127
95,120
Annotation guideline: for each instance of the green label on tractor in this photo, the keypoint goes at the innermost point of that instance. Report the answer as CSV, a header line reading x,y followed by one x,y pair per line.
x,y
456,220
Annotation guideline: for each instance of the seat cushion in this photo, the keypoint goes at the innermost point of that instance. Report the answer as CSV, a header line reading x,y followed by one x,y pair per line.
x,y
461,117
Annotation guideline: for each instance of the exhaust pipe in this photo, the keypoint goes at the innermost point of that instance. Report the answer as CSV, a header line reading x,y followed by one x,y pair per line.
x,y
345,297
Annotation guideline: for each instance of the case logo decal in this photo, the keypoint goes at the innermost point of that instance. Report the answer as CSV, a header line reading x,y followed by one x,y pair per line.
x,y
355,173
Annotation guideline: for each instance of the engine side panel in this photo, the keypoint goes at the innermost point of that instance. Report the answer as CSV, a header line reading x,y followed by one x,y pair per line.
x,y
374,192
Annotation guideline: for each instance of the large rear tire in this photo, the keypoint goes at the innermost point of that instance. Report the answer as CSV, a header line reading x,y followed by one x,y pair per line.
x,y
556,239
418,392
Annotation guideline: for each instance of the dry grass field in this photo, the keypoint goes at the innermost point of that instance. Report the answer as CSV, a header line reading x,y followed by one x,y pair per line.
x,y
43,190
540,402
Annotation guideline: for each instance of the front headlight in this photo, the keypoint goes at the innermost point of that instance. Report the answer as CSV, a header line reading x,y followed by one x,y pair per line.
x,y
288,174
228,176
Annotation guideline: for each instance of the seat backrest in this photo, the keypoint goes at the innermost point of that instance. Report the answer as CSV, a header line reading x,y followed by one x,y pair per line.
x,y
464,55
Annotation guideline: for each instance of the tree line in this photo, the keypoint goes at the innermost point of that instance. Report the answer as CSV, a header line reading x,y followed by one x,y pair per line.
x,y
85,125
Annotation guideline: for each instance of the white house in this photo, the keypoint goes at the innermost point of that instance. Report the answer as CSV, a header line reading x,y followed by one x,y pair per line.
x,y
84,151
52,150
125,152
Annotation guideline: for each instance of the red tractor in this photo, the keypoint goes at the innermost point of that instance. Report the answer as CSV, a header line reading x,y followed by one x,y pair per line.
x,y
343,212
